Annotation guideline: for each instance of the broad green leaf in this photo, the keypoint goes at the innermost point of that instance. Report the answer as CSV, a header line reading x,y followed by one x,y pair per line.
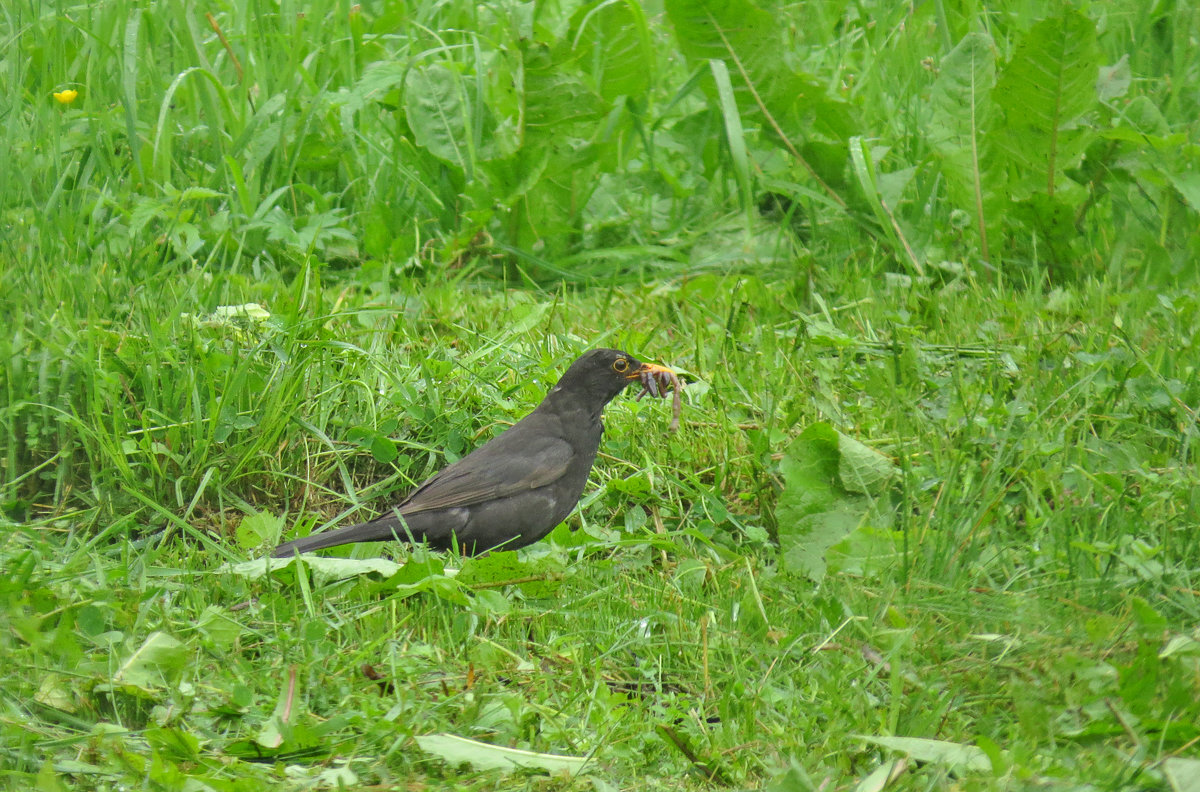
x,y
1114,81
510,178
960,97
960,109
1188,187
749,39
218,626
54,692
418,568
825,476
1044,91
614,47
155,663
555,96
341,777
380,78
809,467
879,778
1052,217
869,551
1146,118
277,728
437,112
1182,644
323,569
1183,774
537,578
939,752
483,756
492,568
425,572
257,528
862,469
378,443
811,516
809,538
271,734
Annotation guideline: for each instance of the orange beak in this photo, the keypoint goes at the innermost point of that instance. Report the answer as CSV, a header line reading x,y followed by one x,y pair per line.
x,y
652,368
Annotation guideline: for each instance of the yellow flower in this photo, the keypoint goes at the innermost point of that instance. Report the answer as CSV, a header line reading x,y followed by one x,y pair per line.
x,y
66,96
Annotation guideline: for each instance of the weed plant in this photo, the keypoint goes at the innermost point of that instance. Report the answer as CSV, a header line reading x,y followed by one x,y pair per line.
x,y
932,520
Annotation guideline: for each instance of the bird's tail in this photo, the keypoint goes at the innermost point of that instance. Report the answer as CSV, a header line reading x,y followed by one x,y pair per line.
x,y
384,530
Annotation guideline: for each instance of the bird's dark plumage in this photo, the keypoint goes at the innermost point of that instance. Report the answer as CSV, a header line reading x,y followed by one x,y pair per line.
x,y
514,489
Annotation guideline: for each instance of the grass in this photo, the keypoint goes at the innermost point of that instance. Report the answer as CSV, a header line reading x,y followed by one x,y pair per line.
x,y
1021,596
1041,561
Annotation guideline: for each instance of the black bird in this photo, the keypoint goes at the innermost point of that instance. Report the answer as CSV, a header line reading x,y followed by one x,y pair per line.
x,y
512,490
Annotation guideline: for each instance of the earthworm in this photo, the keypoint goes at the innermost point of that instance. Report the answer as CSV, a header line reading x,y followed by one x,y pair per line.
x,y
655,380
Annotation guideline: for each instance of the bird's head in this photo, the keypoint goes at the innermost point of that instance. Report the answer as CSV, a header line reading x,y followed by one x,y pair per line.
x,y
600,374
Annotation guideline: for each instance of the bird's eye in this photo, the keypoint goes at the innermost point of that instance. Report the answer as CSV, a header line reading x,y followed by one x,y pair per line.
x,y
620,365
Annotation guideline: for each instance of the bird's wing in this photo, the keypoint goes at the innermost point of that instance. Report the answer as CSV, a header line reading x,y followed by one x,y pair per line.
x,y
491,473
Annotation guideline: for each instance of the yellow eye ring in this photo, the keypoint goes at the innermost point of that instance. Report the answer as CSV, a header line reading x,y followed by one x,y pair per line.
x,y
620,365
